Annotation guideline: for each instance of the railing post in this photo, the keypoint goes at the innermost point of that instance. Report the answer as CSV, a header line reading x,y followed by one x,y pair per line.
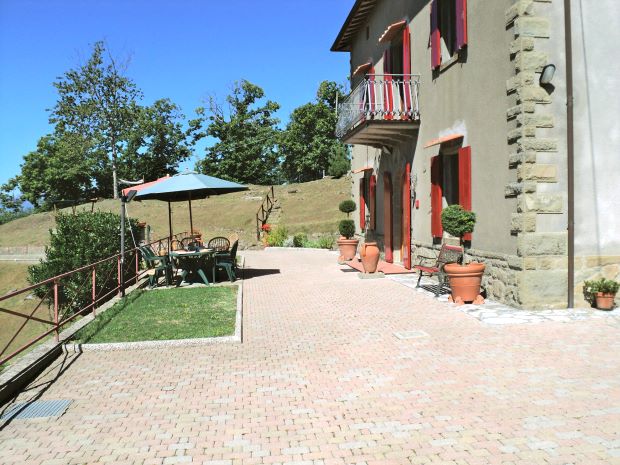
x,y
94,296
56,309
118,268
137,265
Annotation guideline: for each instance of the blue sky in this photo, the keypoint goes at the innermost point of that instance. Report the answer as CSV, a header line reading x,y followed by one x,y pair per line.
x,y
181,49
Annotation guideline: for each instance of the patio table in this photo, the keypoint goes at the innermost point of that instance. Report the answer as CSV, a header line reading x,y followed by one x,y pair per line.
x,y
194,262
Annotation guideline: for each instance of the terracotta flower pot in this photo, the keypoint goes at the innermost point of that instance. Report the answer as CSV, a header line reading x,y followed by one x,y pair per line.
x,y
605,300
348,248
465,281
369,254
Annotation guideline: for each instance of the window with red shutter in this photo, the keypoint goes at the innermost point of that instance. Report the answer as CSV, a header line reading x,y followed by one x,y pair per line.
x,y
448,30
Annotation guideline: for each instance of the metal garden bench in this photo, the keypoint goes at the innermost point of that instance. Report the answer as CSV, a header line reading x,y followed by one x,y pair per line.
x,y
447,254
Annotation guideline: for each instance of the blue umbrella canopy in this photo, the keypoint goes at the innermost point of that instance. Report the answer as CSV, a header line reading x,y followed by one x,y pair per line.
x,y
188,186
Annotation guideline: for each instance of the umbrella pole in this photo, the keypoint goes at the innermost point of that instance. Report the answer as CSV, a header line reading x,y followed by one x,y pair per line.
x,y
169,227
191,221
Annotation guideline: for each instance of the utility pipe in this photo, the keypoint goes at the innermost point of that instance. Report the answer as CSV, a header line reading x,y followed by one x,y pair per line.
x,y
570,145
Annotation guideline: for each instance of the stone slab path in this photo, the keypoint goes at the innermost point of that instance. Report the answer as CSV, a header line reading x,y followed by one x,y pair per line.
x,y
338,370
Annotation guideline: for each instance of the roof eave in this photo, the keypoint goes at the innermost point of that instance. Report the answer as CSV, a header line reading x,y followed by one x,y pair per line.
x,y
356,11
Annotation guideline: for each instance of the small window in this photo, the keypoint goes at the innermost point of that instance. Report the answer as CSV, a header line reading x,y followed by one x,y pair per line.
x,y
447,28
450,181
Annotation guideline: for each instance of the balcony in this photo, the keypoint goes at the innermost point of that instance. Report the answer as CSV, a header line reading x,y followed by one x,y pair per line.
x,y
380,111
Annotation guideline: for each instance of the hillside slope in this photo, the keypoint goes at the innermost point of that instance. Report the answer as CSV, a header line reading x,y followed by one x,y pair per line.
x,y
311,207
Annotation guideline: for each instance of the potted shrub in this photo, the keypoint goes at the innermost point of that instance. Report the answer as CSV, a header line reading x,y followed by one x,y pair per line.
x,y
465,279
601,293
347,244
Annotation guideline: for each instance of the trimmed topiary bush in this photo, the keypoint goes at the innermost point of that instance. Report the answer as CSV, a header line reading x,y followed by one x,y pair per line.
x,y
347,206
457,221
347,228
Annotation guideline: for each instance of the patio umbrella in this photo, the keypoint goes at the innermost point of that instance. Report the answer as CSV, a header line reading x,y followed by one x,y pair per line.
x,y
187,186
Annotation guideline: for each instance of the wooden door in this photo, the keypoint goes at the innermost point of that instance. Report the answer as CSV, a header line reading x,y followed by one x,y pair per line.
x,y
387,217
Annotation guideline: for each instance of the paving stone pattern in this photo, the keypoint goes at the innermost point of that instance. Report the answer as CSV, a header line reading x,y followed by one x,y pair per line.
x,y
321,378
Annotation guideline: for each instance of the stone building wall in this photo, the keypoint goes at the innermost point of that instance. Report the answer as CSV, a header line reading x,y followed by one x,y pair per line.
x,y
537,156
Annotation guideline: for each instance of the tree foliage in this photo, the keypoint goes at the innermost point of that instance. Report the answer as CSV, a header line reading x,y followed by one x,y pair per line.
x,y
98,102
100,131
246,134
157,143
309,146
60,169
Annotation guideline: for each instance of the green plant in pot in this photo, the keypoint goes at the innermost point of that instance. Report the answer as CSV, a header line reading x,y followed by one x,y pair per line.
x,y
347,244
465,279
601,293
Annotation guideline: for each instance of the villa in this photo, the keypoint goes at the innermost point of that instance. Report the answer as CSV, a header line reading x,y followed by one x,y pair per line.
x,y
458,102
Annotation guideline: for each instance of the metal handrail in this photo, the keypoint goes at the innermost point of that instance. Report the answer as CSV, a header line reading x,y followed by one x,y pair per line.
x,y
262,215
57,321
383,97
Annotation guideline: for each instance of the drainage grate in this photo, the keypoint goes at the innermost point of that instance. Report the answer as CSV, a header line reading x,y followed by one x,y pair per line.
x,y
36,409
410,334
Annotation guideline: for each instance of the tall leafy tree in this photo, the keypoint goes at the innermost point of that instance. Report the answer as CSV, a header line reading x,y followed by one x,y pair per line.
x,y
97,101
59,169
246,134
157,143
309,145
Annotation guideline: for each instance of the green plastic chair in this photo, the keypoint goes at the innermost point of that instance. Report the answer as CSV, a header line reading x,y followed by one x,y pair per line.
x,y
160,263
227,261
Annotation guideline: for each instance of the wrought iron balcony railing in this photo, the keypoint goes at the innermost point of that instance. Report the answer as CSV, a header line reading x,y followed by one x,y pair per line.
x,y
380,98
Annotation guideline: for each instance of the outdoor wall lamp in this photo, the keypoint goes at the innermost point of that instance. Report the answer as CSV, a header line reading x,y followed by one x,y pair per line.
x,y
547,74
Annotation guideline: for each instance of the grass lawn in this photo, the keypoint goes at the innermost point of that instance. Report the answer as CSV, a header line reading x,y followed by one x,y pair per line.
x,y
311,207
165,314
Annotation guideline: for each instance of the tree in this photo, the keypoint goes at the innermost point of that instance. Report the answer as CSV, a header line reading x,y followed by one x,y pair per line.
x,y
157,143
98,102
309,145
59,169
246,134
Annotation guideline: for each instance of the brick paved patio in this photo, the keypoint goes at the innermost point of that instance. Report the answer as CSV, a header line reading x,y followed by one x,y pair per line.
x,y
322,379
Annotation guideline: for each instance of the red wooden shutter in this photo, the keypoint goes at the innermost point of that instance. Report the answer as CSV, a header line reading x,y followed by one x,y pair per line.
x,y
372,202
435,35
436,196
362,204
461,23
465,181
371,90
407,72
407,217
387,86
388,235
